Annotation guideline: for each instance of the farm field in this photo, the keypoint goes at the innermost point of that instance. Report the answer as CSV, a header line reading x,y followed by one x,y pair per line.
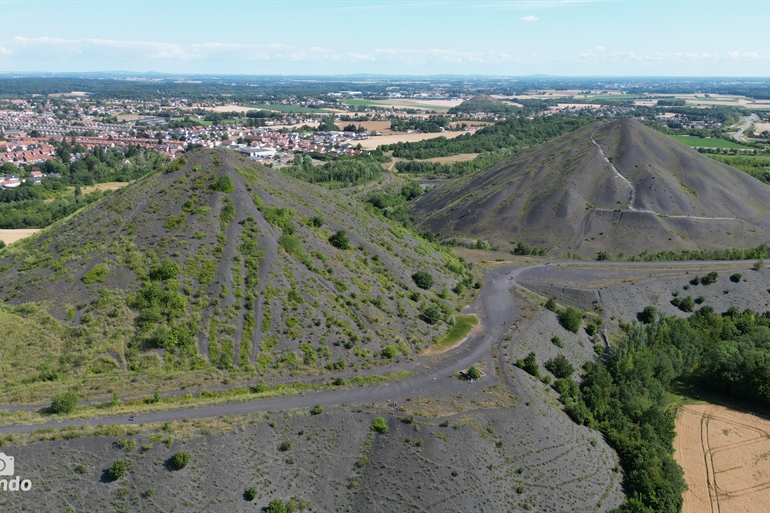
x,y
725,455
287,108
11,236
373,142
462,157
436,105
706,142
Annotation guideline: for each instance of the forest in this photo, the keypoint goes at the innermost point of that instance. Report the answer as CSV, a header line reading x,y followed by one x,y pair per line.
x,y
335,174
624,394
515,134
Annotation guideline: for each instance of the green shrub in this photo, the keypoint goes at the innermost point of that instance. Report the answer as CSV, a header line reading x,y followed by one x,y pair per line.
x,y
286,445
390,351
560,366
380,425
250,494
316,410
710,278
550,304
557,341
529,364
118,469
64,402
735,278
423,279
474,373
276,506
180,459
339,240
685,304
570,319
167,270
97,273
431,314
223,184
649,315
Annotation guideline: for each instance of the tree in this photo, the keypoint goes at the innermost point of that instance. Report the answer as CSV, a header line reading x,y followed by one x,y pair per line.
x,y
423,279
560,366
118,469
431,314
181,459
339,240
411,190
570,319
64,402
649,315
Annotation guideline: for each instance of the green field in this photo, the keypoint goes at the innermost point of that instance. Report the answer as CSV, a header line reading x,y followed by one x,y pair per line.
x,y
287,108
706,142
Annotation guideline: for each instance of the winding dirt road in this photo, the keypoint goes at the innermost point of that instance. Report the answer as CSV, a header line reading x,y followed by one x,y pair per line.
x,y
497,310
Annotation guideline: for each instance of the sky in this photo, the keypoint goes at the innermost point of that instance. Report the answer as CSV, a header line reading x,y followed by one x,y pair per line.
x,y
411,37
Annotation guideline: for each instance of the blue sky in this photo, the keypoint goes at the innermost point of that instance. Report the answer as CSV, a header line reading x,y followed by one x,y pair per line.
x,y
490,37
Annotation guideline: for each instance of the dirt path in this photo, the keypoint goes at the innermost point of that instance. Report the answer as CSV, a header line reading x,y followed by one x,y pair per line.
x,y
725,455
632,194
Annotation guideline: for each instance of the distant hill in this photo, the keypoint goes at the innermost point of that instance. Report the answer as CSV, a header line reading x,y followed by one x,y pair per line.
x,y
219,263
565,196
482,103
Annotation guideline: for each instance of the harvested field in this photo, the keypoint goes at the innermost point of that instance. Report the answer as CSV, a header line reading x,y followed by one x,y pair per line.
x,y
371,144
11,236
462,157
725,455
761,127
107,186
438,105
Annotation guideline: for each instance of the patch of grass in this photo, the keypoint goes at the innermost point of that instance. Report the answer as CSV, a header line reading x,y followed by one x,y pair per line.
x,y
462,326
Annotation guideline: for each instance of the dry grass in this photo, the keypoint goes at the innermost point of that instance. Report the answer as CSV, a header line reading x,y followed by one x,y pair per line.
x,y
463,157
107,186
725,455
11,236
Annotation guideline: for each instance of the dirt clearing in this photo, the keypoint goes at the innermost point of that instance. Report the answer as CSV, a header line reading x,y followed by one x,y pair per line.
x,y
725,455
10,236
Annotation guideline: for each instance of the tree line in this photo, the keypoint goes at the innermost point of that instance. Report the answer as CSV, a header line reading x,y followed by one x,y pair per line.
x,y
624,394
516,133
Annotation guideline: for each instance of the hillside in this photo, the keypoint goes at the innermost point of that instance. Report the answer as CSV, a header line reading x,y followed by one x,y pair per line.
x,y
615,186
481,103
214,265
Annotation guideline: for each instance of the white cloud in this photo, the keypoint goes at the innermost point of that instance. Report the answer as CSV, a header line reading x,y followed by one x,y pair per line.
x,y
530,19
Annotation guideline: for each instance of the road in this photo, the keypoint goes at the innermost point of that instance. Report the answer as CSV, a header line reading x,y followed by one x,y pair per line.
x,y
496,308
738,136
